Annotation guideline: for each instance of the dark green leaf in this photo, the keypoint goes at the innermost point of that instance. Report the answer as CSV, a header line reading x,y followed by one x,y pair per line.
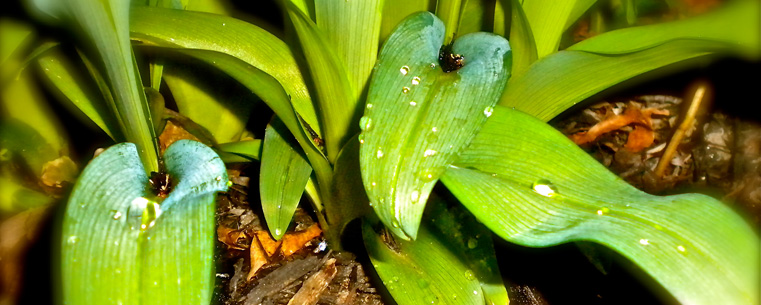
x,y
284,173
532,186
418,117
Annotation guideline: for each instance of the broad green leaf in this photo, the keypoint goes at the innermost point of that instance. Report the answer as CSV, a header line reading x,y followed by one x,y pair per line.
x,y
451,262
532,186
158,252
335,94
554,84
521,39
394,11
548,20
210,100
347,192
248,148
735,24
15,197
418,117
19,138
104,26
77,91
352,28
283,174
244,41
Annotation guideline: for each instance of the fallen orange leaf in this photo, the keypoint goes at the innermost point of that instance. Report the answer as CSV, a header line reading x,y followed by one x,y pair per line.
x,y
269,244
258,258
230,237
295,241
639,139
632,115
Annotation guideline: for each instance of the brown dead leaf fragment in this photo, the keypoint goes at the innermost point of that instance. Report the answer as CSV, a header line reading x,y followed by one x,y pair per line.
x,y
633,115
234,239
294,241
173,133
268,244
639,139
313,287
258,258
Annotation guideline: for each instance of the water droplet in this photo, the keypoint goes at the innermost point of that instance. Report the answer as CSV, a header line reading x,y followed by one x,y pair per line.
x,y
372,204
414,196
373,184
599,212
365,123
404,70
469,275
475,292
116,243
278,232
118,271
369,106
361,138
379,154
429,152
116,215
433,66
427,177
472,243
279,206
151,212
413,103
415,81
405,89
155,283
82,204
644,242
395,223
434,129
223,24
544,188
488,111
218,178
229,183
681,249
72,240
395,279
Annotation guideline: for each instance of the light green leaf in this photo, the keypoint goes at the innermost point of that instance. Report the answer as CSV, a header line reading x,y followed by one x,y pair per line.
x,y
14,197
451,262
210,100
283,175
521,39
18,137
532,186
449,12
157,254
77,91
394,11
352,28
476,16
548,20
418,117
335,95
243,41
553,84
735,24
248,148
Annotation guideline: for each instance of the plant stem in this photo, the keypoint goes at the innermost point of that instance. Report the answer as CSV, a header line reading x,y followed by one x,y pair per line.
x,y
449,12
689,118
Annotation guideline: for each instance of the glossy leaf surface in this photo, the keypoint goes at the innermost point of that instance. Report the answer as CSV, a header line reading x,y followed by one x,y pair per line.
x,y
418,117
156,253
284,173
451,262
532,186
548,19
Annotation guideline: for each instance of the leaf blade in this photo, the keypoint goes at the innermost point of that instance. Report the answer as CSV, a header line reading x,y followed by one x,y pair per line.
x,y
676,239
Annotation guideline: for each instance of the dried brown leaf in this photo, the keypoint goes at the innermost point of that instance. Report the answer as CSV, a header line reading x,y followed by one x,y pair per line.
x,y
293,242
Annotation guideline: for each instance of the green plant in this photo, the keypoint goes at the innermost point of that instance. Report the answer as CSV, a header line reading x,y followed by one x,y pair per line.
x,y
358,129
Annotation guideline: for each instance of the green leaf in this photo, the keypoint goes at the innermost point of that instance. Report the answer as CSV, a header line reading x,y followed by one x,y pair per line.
x,y
104,26
451,262
335,94
248,148
77,91
532,186
18,137
548,20
449,12
156,254
735,24
14,197
418,117
243,41
210,100
352,28
521,40
553,84
283,175
476,16
394,11
348,193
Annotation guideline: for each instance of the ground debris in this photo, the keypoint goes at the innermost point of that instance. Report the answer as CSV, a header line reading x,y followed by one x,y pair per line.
x,y
253,268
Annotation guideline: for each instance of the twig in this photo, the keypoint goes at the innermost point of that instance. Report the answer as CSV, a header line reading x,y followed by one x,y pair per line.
x,y
689,118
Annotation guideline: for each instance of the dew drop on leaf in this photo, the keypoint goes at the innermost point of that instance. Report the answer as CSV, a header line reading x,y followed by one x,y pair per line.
x,y
415,81
469,275
429,152
472,243
545,188
365,123
72,240
488,111
405,89
116,215
404,70
413,103
414,196
379,154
